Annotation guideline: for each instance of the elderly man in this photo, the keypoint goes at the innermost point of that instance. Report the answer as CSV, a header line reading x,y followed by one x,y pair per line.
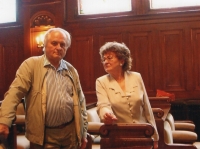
x,y
55,104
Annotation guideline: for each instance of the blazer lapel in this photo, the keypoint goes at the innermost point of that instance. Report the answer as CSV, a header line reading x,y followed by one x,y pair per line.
x,y
130,82
113,85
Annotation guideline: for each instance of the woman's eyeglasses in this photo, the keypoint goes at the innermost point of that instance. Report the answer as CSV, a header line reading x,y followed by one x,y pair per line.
x,y
108,58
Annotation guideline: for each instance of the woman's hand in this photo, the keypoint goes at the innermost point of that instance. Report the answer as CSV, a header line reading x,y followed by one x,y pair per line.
x,y
109,118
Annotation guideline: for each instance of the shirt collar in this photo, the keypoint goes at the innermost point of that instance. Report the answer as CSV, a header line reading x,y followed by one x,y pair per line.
x,y
61,67
129,83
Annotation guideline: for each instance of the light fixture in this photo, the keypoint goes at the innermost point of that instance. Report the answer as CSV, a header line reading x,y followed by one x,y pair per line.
x,y
40,40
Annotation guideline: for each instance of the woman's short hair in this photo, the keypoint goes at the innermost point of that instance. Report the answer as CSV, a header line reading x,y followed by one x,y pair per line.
x,y
68,39
121,50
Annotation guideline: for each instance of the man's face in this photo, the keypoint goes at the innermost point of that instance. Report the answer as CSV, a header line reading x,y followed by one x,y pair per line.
x,y
56,46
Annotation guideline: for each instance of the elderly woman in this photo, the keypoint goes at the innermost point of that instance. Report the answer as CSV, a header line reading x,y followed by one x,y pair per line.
x,y
121,94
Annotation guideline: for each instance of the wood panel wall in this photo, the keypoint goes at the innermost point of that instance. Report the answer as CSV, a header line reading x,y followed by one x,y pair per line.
x,y
11,55
165,47
165,53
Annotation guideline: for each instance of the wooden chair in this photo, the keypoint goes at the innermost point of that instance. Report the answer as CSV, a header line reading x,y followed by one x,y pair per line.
x,y
11,141
161,107
181,124
126,136
181,132
170,144
22,141
16,138
89,144
94,125
164,129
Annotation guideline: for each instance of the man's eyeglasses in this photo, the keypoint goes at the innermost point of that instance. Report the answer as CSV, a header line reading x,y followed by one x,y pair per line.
x,y
108,58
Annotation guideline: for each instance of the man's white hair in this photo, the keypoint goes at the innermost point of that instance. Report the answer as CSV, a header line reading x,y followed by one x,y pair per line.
x,y
59,30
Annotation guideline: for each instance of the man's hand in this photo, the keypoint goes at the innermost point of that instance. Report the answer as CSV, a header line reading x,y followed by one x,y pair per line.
x,y
84,143
155,144
4,130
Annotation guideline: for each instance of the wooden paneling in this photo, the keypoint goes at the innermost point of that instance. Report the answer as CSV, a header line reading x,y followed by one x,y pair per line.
x,y
161,52
82,59
2,73
196,57
165,47
172,59
11,55
140,45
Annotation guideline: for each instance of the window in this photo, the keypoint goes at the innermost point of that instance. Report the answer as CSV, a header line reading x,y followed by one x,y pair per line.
x,y
7,11
157,4
87,7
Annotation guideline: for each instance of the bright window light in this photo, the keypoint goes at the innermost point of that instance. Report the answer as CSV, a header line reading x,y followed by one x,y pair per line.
x,y
104,6
7,11
156,4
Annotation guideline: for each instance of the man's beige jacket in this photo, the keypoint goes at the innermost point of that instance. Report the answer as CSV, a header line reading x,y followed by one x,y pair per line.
x,y
30,84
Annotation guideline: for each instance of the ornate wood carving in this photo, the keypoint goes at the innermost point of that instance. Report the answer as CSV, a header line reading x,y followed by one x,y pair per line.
x,y
126,135
42,18
160,106
158,112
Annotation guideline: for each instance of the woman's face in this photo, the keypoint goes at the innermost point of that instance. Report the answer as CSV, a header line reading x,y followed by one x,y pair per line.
x,y
111,63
